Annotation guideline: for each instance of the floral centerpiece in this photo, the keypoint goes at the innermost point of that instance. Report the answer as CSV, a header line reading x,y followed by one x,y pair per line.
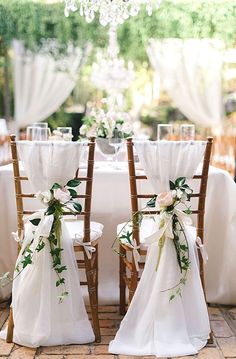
x,y
104,126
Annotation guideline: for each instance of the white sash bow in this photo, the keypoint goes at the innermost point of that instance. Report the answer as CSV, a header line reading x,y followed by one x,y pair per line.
x,y
88,247
167,229
136,254
45,225
42,230
201,247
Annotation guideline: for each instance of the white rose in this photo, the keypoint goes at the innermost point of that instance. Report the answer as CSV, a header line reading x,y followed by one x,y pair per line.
x,y
127,128
179,193
57,133
67,137
119,127
188,191
83,130
184,197
173,193
62,195
92,132
44,196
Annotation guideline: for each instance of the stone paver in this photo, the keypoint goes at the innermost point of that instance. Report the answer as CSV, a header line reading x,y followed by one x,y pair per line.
x,y
227,346
45,356
90,357
66,349
5,348
22,353
209,353
221,329
222,320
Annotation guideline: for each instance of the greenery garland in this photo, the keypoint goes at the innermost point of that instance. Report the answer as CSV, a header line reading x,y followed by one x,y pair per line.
x,y
179,194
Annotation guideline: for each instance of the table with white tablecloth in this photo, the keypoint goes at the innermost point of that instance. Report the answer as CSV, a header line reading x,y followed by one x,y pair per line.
x,y
111,206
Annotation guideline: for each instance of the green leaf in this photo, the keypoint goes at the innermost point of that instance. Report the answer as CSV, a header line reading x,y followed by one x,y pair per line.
x,y
77,206
56,251
180,181
73,193
60,281
52,239
26,261
60,269
137,218
152,202
172,185
35,221
50,210
73,183
27,249
188,211
56,261
40,246
171,297
56,185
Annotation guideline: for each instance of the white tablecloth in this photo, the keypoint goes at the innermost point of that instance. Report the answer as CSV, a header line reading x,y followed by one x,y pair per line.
x,y
111,205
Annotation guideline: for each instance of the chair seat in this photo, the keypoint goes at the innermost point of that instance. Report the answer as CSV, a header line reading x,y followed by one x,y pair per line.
x,y
148,226
76,228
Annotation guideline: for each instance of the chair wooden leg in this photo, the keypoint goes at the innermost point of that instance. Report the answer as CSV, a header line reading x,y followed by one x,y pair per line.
x,y
96,269
122,282
10,327
210,340
91,274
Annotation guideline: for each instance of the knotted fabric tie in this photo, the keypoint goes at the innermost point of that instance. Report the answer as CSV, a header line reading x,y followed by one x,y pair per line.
x,y
45,225
167,230
16,237
133,245
201,247
88,247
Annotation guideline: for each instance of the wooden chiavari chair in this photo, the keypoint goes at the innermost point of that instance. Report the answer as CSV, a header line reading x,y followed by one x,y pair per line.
x,y
90,265
129,276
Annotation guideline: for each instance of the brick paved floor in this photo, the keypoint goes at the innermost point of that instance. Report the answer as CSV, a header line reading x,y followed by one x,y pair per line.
x,y
223,320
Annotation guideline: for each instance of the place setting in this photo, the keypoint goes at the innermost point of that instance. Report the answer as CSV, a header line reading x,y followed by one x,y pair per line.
x,y
117,179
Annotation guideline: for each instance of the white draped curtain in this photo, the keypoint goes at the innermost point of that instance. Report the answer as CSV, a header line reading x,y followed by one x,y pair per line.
x,y
191,73
41,82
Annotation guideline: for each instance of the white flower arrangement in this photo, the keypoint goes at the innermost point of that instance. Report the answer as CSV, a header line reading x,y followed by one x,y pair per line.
x,y
102,124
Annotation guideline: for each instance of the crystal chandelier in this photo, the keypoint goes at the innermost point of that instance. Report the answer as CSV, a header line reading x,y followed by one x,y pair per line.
x,y
113,12
109,72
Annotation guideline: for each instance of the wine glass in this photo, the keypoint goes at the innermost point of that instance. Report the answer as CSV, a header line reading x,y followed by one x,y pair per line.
x,y
164,132
34,133
187,132
40,124
66,133
116,141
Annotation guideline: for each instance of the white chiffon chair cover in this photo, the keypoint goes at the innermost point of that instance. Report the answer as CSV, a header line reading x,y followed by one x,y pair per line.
x,y
154,325
39,318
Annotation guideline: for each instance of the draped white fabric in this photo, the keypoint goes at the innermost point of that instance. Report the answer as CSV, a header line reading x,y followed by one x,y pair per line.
x,y
41,83
51,161
154,325
191,73
166,160
39,318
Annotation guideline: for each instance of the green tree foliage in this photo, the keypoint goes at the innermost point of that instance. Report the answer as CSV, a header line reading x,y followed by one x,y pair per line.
x,y
32,21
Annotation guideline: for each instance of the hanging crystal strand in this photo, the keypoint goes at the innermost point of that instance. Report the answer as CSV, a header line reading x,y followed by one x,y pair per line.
x,y
113,49
113,12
